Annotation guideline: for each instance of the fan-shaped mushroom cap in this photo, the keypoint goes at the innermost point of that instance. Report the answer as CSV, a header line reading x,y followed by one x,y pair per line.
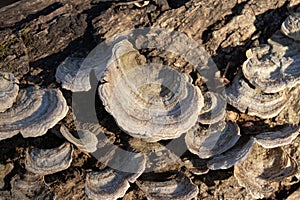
x,y
233,156
72,76
35,111
291,26
262,169
213,140
103,143
87,140
214,109
151,101
49,161
74,73
272,139
8,90
29,186
178,187
108,184
241,96
270,71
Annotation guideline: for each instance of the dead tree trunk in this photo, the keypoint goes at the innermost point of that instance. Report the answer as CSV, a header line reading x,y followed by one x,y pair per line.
x,y
36,35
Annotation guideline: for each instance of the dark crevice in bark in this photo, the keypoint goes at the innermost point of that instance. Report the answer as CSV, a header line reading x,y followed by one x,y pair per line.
x,y
177,3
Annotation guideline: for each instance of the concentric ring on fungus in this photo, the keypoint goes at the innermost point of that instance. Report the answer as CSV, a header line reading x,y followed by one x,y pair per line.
x,y
214,109
8,90
176,186
209,141
291,26
255,102
35,111
113,184
262,170
148,101
49,161
270,71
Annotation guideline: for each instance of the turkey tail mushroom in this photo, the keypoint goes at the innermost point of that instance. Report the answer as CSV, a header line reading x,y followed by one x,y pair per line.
x,y
35,111
214,109
261,172
8,90
177,186
148,101
281,136
48,161
270,71
245,98
86,141
291,26
106,184
71,76
213,140
29,186
113,184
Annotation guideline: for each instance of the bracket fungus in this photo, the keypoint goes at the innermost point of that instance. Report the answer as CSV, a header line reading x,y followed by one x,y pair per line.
x,y
111,183
245,98
291,26
262,170
177,186
87,140
49,161
270,71
29,186
152,101
108,183
8,90
213,140
214,109
280,137
233,156
71,76
74,73
35,111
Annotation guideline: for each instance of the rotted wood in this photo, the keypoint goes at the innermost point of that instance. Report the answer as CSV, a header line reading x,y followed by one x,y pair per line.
x,y
36,35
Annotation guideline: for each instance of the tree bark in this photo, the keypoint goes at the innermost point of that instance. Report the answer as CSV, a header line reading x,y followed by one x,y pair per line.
x,y
36,35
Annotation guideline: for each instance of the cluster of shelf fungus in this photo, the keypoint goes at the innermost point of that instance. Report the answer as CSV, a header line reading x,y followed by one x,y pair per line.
x,y
153,103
